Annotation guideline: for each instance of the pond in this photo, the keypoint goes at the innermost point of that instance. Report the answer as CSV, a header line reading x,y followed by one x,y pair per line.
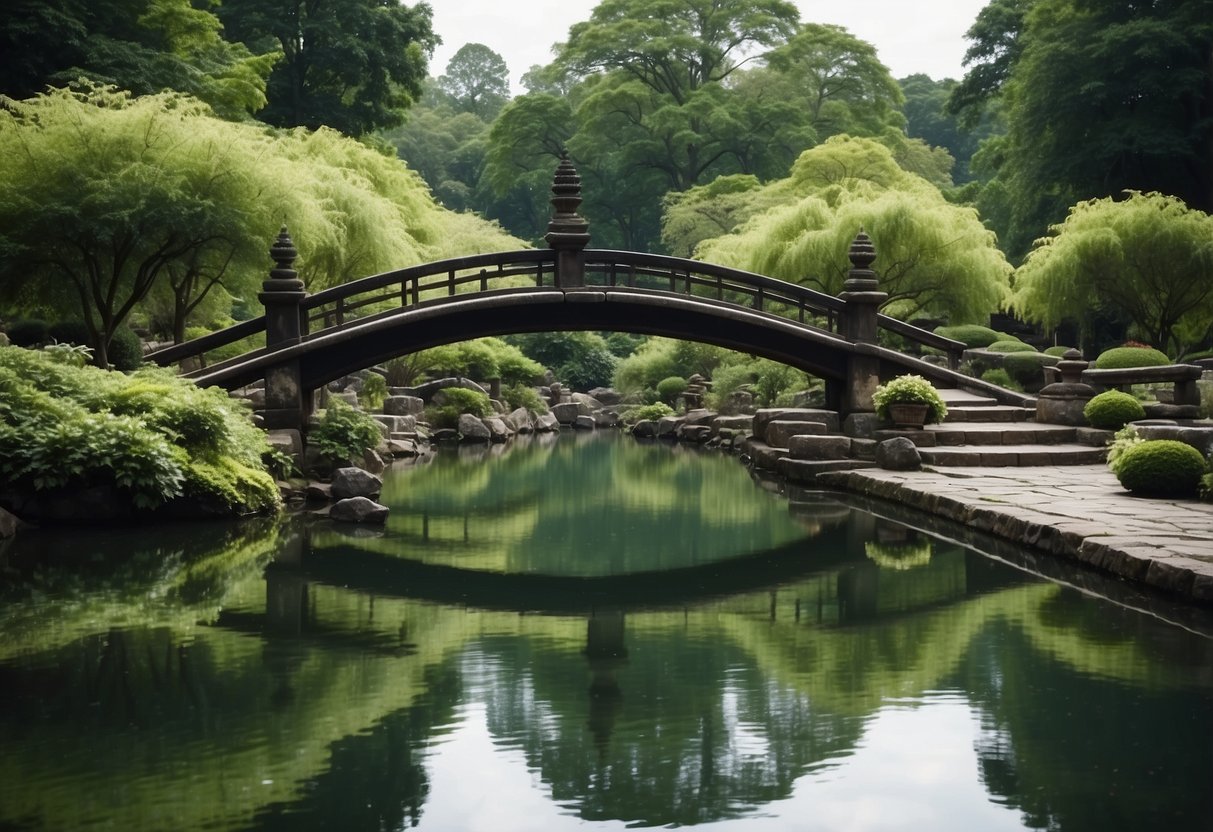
x,y
584,632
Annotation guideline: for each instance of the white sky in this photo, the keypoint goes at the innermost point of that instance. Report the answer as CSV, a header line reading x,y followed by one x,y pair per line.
x,y
909,36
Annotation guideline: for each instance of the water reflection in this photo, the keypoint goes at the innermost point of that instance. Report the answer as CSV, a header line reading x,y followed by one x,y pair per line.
x,y
842,671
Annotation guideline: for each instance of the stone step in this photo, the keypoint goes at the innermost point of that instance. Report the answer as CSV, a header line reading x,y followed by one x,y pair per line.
x,y
1001,433
1013,455
989,413
963,398
806,470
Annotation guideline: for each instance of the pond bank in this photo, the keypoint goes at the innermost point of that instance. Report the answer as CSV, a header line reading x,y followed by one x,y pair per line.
x,y
1077,511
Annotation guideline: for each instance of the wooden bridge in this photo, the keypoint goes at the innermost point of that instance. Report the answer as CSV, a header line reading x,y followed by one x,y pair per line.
x,y
311,339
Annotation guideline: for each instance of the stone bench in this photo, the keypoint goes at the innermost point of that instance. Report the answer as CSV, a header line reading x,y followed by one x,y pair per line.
x,y
1183,376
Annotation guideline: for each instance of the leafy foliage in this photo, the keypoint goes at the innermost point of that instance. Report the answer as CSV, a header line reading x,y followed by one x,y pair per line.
x,y
517,395
1011,346
909,389
1148,257
649,412
344,433
1112,410
1161,468
669,389
1119,358
973,335
151,435
451,402
476,81
374,391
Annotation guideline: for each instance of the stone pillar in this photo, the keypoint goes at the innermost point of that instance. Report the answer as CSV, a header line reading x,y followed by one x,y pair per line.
x,y
568,232
862,295
281,295
1062,402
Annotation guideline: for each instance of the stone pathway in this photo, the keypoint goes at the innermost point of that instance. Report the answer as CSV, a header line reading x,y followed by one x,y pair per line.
x,y
1077,511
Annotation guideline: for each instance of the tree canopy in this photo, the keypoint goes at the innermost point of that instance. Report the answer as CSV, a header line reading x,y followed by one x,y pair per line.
x,y
1147,257
353,65
476,81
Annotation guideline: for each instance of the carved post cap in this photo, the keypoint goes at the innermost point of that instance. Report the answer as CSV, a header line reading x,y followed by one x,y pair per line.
x,y
862,254
567,230
283,277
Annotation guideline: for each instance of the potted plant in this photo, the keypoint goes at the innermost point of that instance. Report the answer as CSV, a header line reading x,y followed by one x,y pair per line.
x,y
909,401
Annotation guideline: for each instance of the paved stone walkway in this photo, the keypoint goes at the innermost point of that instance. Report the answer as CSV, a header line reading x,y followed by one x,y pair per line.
x,y
1077,511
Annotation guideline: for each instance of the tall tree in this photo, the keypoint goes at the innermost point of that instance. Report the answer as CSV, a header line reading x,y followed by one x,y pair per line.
x,y
353,65
476,81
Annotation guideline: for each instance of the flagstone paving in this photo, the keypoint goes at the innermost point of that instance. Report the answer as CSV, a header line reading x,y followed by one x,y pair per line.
x,y
1077,511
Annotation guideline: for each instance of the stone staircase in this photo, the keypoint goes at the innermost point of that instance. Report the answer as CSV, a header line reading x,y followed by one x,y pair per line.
x,y
980,432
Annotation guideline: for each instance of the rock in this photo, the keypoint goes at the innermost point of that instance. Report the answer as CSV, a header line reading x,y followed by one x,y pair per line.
x,y
397,424
546,422
667,427
780,431
402,447
403,406
606,418
318,492
898,454
808,446
803,414
608,396
645,429
358,510
697,434
350,397
590,404
738,424
445,435
372,463
256,398
499,431
472,429
520,420
355,482
427,390
567,412
9,523
861,425
699,416
584,423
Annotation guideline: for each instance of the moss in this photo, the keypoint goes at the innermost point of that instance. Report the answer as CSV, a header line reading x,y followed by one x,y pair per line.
x,y
1011,346
1119,358
972,335
1112,410
1161,468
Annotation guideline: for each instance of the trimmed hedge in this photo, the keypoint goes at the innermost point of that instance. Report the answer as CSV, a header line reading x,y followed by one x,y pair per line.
x,y
1161,468
973,335
1119,358
1112,410
1011,346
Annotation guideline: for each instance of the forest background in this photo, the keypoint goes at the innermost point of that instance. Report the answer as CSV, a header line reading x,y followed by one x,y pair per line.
x,y
149,150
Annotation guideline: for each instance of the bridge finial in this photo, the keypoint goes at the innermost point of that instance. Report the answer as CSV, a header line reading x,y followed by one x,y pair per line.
x,y
283,277
862,255
567,231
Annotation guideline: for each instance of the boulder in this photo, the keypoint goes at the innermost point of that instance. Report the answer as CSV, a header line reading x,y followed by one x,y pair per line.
x,y
473,429
700,416
737,424
520,420
372,462
318,492
606,418
9,523
667,427
861,425
590,404
403,406
355,482
698,434
584,423
358,510
802,414
608,396
566,413
808,446
499,431
546,422
780,431
645,429
898,454
397,424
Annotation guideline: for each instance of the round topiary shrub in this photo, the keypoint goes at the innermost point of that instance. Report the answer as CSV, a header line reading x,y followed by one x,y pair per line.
x,y
669,389
1027,368
1057,351
1118,358
1112,410
1011,346
1161,468
972,335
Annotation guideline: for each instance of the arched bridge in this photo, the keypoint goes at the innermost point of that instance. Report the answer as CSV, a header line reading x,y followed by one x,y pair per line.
x,y
311,339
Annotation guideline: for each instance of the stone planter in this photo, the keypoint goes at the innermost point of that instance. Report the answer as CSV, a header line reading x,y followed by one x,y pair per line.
x,y
908,414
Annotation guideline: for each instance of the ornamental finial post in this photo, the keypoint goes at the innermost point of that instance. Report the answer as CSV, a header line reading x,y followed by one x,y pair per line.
x,y
568,232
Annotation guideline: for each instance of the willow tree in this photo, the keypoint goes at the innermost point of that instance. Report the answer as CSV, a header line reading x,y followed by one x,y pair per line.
x,y
933,257
1148,258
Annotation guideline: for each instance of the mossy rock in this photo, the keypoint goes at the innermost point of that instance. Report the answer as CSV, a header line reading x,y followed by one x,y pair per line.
x,y
1161,468
1112,410
1119,358
1011,346
973,335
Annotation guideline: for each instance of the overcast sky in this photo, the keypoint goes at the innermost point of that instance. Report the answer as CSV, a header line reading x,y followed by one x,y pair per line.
x,y
909,36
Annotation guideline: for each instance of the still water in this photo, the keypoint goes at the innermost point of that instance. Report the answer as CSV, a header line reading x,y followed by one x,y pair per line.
x,y
584,634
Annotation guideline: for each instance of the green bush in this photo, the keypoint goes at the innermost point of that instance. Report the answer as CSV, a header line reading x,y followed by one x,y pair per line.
x,y
649,412
344,433
519,395
1119,358
28,332
1000,377
592,368
374,391
910,389
972,335
1011,346
150,435
466,401
581,360
1161,468
1026,368
669,389
1112,410
1057,351
125,349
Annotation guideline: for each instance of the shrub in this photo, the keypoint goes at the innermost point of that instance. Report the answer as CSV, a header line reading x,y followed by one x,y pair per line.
x,y
910,389
125,349
592,368
1161,468
1125,438
580,360
28,332
1119,358
972,335
669,389
344,433
1011,346
649,412
1112,410
1000,377
1057,351
777,383
452,402
1027,368
525,397
374,391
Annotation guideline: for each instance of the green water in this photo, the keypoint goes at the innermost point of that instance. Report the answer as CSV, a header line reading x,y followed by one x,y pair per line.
x,y
586,633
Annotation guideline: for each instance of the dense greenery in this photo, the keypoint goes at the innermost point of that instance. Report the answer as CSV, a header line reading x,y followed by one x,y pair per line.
x,y
1161,468
1119,358
909,389
344,433
1112,410
150,435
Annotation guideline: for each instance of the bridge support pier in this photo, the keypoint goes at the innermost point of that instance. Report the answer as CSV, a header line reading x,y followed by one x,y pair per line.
x,y
862,295
286,406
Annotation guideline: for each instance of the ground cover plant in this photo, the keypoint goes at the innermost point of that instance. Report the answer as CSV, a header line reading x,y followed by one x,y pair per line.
x,y
152,437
